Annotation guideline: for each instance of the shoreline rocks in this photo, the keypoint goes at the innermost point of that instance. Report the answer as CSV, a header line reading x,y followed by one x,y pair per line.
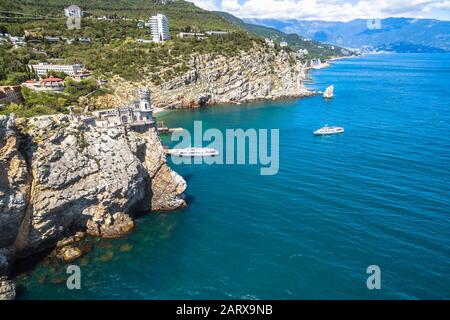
x,y
7,289
58,177
255,75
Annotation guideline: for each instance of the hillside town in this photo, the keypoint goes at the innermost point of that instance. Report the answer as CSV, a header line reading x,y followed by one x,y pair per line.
x,y
51,73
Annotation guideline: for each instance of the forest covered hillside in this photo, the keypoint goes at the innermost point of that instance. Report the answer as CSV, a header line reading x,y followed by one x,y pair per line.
x,y
316,49
114,44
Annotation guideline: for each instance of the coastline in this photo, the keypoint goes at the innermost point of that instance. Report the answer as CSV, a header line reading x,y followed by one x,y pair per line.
x,y
253,75
68,181
157,242
305,92
71,248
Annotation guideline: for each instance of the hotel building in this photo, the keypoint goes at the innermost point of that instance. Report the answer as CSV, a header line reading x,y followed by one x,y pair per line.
x,y
73,11
159,28
43,68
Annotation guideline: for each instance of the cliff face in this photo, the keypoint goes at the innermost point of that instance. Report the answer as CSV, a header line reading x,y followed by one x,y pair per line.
x,y
261,73
250,76
58,177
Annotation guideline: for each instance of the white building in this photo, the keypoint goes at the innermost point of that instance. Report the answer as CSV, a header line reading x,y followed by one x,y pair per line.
x,y
283,44
191,35
17,41
143,41
3,37
269,42
159,28
73,11
303,52
137,113
217,33
53,84
43,68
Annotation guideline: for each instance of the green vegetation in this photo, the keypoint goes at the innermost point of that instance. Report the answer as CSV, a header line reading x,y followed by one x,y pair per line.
x,y
296,42
13,64
57,74
39,103
182,14
134,61
114,50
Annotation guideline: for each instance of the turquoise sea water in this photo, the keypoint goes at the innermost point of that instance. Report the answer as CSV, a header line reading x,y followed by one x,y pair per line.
x,y
377,195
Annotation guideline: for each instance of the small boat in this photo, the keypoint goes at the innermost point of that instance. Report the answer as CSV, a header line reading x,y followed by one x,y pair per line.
x,y
193,152
325,131
329,92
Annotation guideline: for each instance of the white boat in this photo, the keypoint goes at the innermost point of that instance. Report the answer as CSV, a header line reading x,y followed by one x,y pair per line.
x,y
328,131
329,92
193,152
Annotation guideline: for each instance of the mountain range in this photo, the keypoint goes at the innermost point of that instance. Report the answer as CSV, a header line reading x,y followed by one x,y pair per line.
x,y
391,34
295,41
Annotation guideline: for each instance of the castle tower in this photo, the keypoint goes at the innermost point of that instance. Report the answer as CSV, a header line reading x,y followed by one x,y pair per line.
x,y
145,106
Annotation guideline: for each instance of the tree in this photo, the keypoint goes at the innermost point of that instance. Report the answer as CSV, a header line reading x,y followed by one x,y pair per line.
x,y
58,74
16,78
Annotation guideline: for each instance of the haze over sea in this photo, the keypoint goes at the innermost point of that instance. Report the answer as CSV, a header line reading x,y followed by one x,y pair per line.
x,y
376,195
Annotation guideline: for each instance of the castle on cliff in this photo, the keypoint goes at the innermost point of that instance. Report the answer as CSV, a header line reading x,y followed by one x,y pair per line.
x,y
136,113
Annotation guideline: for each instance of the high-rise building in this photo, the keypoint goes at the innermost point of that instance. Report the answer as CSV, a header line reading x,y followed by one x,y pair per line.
x,y
159,27
73,11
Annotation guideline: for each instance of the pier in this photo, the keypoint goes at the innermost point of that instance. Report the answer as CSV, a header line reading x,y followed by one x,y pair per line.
x,y
162,128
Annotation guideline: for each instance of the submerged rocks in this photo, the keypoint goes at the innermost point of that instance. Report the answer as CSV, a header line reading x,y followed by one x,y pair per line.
x,y
73,247
107,256
7,289
115,226
126,247
69,254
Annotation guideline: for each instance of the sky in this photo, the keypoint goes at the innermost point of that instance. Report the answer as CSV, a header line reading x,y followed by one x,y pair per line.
x,y
330,10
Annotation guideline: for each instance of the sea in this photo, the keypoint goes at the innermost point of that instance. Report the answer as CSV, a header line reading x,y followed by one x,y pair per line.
x,y
376,196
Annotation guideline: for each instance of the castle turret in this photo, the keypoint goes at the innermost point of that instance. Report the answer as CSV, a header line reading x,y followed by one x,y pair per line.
x,y
145,106
144,99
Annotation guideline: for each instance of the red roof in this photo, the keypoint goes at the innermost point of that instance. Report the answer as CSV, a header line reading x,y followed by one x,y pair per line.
x,y
52,79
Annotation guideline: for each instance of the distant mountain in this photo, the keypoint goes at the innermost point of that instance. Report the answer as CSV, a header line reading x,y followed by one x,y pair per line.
x,y
416,35
402,47
316,49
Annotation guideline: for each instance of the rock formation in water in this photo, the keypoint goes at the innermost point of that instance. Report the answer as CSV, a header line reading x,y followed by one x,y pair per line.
x,y
260,73
58,177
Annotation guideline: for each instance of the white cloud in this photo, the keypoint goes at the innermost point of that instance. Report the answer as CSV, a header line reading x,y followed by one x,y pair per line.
x,y
206,4
333,10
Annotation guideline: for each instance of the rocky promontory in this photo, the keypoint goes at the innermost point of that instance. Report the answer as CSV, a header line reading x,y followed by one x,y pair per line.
x,y
59,177
261,73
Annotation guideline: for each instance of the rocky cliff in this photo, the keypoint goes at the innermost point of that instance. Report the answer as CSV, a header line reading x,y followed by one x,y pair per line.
x,y
261,73
58,177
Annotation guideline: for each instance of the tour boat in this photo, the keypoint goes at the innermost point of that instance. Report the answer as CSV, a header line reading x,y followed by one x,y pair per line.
x,y
329,92
328,131
194,152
